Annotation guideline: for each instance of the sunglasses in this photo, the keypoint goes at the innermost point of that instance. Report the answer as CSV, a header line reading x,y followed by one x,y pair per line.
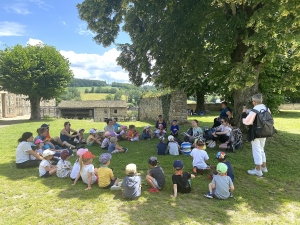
x,y
222,121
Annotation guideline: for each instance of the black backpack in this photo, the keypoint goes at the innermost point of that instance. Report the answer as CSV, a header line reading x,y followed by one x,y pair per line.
x,y
263,124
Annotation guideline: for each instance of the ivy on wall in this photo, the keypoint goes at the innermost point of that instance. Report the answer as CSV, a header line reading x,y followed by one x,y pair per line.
x,y
166,103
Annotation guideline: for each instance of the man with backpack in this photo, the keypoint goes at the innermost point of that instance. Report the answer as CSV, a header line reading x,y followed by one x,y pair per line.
x,y
261,126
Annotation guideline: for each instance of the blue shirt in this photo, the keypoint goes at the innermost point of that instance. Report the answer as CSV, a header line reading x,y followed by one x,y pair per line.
x,y
224,111
161,148
229,171
116,126
174,129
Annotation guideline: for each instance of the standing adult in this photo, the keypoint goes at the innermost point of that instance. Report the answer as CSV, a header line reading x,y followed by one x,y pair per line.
x,y
196,131
24,151
225,113
65,135
160,120
258,144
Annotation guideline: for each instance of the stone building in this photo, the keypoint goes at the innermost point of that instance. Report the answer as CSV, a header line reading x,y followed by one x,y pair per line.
x,y
99,110
172,107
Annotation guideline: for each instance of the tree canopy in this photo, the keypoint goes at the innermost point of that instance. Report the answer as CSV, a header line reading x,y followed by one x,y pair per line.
x,y
234,48
40,72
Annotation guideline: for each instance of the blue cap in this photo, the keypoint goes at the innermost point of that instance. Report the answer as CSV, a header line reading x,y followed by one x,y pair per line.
x,y
178,164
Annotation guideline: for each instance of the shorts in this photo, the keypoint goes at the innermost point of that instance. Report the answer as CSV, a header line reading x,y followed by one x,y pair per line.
x,y
112,182
46,175
90,144
155,183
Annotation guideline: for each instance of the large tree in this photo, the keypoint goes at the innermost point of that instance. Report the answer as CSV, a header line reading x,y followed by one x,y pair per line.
x,y
235,48
40,72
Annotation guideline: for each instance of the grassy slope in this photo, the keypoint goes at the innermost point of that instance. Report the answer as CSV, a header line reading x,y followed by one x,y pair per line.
x,y
273,199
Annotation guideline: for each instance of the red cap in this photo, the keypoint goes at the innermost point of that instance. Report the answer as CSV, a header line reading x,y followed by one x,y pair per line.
x,y
88,155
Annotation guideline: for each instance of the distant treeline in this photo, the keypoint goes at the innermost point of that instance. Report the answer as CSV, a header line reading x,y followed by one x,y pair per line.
x,y
87,83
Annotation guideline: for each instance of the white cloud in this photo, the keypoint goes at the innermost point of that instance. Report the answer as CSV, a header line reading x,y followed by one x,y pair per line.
x,y
41,4
82,30
33,41
19,8
11,29
98,67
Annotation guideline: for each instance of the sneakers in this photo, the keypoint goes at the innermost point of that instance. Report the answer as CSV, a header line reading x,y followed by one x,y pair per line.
x,y
115,188
208,195
255,172
153,190
230,196
125,150
212,144
264,169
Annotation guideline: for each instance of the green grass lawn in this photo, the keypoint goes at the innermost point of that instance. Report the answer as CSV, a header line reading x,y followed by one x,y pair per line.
x,y
274,199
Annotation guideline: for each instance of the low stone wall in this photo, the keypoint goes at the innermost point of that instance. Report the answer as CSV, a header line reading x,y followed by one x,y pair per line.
x,y
151,107
295,106
208,106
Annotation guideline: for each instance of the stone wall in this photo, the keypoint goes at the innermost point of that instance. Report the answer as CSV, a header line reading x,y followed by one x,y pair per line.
x,y
295,106
151,107
100,114
208,106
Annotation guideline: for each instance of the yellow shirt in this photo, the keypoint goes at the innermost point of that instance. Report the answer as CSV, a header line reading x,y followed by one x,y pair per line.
x,y
105,175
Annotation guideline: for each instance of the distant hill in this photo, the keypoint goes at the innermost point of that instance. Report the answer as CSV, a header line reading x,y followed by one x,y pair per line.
x,y
87,83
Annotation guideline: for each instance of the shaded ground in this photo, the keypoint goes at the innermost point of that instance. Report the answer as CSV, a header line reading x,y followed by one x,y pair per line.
x,y
16,120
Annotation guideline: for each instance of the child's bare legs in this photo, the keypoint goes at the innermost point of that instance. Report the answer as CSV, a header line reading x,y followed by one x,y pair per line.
x,y
66,144
210,188
150,181
116,182
53,170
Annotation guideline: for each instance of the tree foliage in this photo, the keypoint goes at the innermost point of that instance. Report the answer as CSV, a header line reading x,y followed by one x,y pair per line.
x,y
40,72
234,48
87,83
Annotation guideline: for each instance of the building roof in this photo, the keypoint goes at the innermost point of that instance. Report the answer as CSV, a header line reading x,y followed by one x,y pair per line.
x,y
91,104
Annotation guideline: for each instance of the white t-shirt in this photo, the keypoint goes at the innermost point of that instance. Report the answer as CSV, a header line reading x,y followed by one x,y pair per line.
x,y
75,170
223,128
199,157
86,169
173,148
105,143
21,153
44,163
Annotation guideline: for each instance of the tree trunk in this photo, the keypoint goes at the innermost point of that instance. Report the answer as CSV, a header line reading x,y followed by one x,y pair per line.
x,y
243,98
200,102
35,108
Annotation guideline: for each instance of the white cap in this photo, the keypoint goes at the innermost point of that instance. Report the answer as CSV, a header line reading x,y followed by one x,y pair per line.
x,y
170,138
48,152
92,131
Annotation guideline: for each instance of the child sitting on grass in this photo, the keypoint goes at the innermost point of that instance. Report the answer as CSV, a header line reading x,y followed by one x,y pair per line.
x,y
155,176
105,142
131,184
114,147
221,157
147,133
76,167
64,167
99,136
45,168
199,157
106,178
133,135
160,132
123,133
221,186
161,147
87,171
181,180
174,128
92,139
186,145
173,146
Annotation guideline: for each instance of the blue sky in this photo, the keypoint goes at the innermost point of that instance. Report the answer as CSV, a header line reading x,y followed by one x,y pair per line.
x,y
56,23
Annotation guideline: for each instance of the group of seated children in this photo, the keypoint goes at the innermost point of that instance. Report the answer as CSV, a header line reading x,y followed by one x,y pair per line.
x,y
83,169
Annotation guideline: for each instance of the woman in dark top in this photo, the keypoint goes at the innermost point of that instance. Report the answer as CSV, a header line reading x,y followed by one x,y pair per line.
x,y
65,135
160,121
225,113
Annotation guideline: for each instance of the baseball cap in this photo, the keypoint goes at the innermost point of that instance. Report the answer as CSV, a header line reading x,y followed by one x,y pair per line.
x,y
81,151
178,164
80,129
170,138
100,131
153,161
160,125
221,155
65,153
88,155
106,133
147,127
48,152
123,127
104,158
161,138
130,169
45,125
222,167
92,131
37,141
